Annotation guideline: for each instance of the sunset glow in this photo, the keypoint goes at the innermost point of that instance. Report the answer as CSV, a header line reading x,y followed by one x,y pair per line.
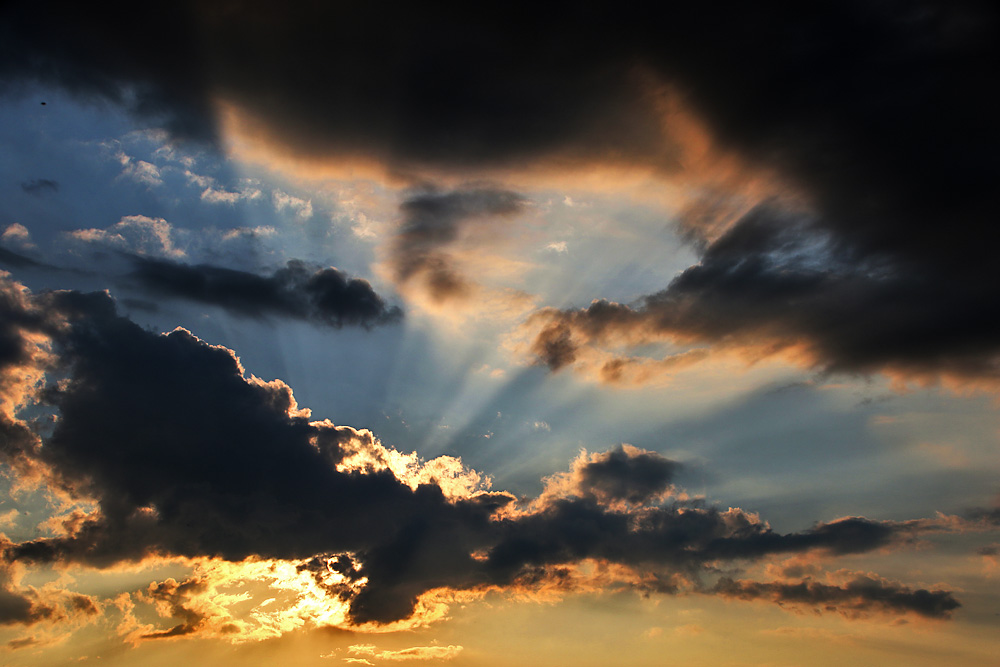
x,y
339,334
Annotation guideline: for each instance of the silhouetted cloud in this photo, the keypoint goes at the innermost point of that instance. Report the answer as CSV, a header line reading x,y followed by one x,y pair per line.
x,y
17,261
185,456
323,296
27,605
881,115
778,282
861,596
175,595
40,186
15,608
431,222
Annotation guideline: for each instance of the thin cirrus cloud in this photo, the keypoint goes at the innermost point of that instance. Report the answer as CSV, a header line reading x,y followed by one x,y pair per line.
x,y
246,474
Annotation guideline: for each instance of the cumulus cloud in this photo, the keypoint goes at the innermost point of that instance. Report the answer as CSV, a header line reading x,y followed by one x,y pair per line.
x,y
183,455
324,296
140,171
139,234
17,234
283,201
625,474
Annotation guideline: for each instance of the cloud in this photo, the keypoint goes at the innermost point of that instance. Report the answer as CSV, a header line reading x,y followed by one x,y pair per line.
x,y
877,117
183,455
284,201
413,653
28,605
323,296
17,234
432,222
17,261
40,186
172,598
217,196
777,283
874,99
17,608
22,642
625,474
140,171
139,234
472,98
860,597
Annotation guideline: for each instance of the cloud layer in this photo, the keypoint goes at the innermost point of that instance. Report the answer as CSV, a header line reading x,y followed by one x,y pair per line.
x,y
878,117
183,455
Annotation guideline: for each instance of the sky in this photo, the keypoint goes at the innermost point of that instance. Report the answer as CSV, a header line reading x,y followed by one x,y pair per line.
x,y
485,335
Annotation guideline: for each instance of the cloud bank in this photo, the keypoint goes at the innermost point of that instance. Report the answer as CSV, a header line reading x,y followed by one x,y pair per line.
x,y
879,117
778,283
183,455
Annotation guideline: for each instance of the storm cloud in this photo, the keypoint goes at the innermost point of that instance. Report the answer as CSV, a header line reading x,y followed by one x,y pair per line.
x,y
879,116
777,282
322,296
185,456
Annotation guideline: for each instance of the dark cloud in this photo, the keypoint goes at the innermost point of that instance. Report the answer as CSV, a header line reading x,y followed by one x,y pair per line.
x,y
776,282
16,260
186,456
859,597
27,605
323,296
40,186
446,85
554,345
883,111
20,320
882,114
15,608
985,514
624,473
431,222
23,642
175,596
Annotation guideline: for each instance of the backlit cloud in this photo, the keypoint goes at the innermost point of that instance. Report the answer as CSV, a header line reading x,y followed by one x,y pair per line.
x,y
777,284
324,296
597,219
245,476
